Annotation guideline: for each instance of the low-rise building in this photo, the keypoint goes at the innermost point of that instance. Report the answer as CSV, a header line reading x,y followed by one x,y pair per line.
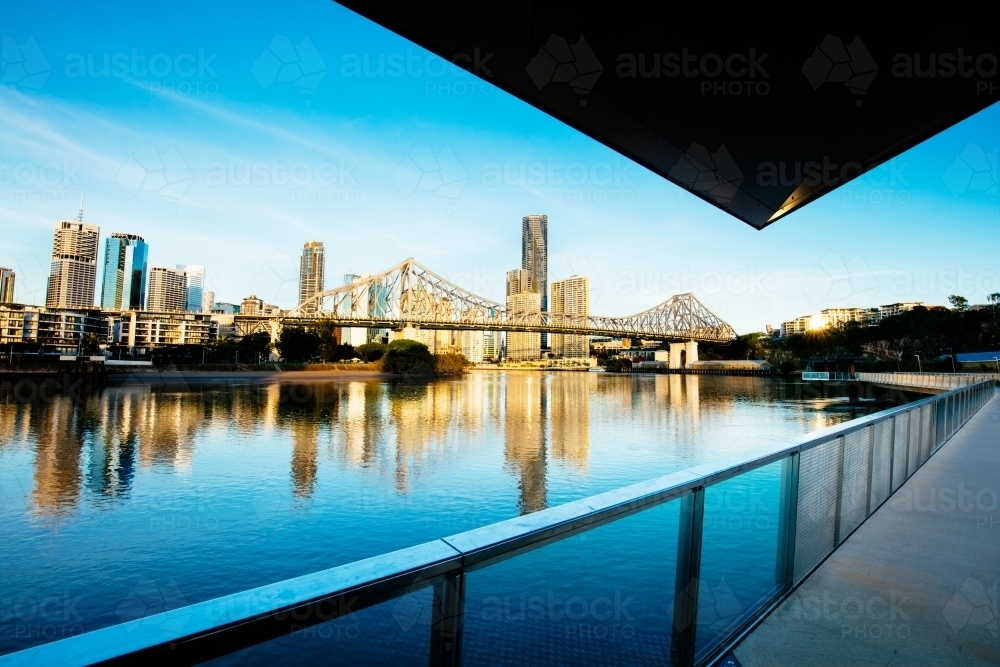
x,y
143,330
56,328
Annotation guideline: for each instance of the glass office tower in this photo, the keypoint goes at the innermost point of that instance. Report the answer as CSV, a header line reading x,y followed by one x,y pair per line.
x,y
126,260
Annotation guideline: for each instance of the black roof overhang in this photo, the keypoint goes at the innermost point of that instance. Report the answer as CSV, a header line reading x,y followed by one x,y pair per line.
x,y
756,114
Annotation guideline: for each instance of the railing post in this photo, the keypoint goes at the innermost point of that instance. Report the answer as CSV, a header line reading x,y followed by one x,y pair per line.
x,y
840,493
788,512
687,578
447,619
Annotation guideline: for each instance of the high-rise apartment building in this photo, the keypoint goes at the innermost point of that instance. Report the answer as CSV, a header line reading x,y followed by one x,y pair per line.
x,y
518,280
252,305
570,307
524,346
73,275
535,258
194,284
311,267
6,285
167,290
126,258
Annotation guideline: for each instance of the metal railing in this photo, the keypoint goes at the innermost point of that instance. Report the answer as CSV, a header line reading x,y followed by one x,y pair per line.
x,y
928,380
831,481
825,376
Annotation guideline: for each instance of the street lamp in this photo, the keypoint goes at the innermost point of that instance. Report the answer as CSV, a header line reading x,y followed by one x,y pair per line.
x,y
951,353
920,367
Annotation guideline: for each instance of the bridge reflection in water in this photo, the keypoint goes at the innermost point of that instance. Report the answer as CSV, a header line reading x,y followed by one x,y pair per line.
x,y
277,479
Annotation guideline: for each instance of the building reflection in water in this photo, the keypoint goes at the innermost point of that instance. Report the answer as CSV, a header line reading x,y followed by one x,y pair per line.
x,y
524,436
96,444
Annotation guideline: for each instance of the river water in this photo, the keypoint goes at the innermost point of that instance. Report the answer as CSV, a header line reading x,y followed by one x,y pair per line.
x,y
119,503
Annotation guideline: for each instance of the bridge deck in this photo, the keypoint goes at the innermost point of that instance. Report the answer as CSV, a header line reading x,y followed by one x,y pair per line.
x,y
916,584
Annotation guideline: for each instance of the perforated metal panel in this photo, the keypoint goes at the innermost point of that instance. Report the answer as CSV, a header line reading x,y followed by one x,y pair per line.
x,y
916,430
854,487
928,432
901,450
817,505
881,462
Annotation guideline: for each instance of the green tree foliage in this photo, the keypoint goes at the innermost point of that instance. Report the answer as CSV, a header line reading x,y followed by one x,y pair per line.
x,y
618,364
370,352
297,344
959,303
407,357
450,364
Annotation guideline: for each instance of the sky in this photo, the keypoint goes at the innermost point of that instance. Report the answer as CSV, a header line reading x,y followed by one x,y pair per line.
x,y
229,134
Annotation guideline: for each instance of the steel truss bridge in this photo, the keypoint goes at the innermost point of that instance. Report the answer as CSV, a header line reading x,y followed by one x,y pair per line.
x,y
410,295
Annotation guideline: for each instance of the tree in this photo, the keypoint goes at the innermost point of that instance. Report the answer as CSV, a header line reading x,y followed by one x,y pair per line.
x,y
959,303
450,364
297,344
407,356
995,300
253,348
370,351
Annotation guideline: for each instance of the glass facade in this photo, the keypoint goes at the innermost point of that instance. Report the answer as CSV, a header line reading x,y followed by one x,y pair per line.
x,y
126,260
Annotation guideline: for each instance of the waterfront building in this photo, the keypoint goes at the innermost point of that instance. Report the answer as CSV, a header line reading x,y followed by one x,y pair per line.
x,y
6,285
535,258
472,345
897,308
378,306
56,328
167,290
73,273
143,330
123,285
194,285
524,346
311,267
570,307
491,345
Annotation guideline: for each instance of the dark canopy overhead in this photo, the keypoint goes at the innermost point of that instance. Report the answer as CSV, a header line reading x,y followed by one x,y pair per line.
x,y
758,115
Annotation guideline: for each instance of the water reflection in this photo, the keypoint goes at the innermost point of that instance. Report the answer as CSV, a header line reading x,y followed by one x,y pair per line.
x,y
94,444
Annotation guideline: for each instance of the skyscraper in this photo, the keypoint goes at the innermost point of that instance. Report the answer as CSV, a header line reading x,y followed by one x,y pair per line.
x,y
570,307
535,258
6,285
73,275
207,301
311,268
125,269
167,290
194,283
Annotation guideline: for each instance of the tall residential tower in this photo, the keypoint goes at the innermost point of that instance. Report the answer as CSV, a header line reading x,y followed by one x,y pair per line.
x,y
570,307
73,275
6,285
311,268
194,286
535,258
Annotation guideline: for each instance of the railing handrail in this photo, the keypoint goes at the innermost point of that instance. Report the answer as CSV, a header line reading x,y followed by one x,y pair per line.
x,y
216,627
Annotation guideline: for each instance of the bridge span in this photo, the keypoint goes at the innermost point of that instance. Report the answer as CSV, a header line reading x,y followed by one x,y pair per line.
x,y
410,295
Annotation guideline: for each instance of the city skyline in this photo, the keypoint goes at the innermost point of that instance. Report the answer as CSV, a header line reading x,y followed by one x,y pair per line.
x,y
206,177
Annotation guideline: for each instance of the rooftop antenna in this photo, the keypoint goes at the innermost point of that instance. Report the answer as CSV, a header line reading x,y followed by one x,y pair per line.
x,y
79,216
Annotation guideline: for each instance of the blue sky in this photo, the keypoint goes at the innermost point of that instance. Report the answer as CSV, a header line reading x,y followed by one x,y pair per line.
x,y
194,137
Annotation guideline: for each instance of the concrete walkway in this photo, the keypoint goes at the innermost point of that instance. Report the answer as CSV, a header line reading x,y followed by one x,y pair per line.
x,y
916,584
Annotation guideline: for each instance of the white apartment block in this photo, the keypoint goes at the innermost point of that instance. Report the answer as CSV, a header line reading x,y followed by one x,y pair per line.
x,y
570,306
147,329
167,290
522,346
73,273
50,327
